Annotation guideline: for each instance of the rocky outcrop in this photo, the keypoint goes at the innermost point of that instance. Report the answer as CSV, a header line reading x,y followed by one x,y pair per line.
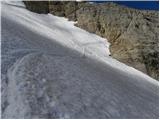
x,y
66,8
133,34
37,6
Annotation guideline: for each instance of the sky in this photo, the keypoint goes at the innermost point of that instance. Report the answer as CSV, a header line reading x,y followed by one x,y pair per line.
x,y
144,5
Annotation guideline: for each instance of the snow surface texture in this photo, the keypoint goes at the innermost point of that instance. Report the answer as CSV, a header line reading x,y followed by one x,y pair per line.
x,y
52,69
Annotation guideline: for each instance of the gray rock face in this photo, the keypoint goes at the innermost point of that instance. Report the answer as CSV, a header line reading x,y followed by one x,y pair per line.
x,y
39,7
133,34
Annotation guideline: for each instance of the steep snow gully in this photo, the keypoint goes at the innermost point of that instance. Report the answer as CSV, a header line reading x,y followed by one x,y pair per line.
x,y
52,69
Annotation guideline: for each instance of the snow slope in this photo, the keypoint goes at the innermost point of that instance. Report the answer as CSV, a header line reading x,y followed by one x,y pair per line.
x,y
52,69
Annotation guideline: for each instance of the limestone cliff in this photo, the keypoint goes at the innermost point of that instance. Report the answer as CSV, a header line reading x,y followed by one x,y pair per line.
x,y
133,34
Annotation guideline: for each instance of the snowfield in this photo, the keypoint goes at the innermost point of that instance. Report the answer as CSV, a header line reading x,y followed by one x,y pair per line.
x,y
53,69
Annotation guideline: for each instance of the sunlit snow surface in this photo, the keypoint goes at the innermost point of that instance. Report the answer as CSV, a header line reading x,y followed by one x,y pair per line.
x,y
52,69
